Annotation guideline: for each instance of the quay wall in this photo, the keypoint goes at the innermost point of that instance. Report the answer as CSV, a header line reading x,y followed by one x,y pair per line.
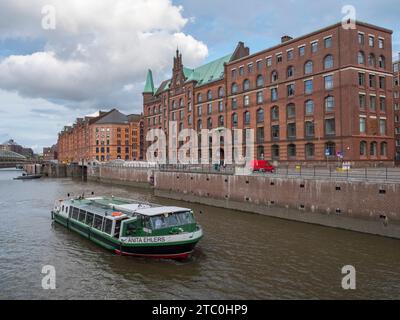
x,y
359,206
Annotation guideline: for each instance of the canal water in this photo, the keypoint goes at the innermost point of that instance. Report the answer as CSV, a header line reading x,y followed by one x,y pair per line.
x,y
242,256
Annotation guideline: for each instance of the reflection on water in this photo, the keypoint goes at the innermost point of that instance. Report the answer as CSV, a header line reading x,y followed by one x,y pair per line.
x,y
242,256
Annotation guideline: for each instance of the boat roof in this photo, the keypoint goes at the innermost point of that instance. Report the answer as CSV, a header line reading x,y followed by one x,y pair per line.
x,y
105,206
160,210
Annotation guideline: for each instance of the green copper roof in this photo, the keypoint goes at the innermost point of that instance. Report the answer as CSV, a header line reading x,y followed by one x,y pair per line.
x,y
149,86
209,72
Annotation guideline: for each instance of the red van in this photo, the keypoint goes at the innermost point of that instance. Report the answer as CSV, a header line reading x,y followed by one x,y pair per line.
x,y
261,166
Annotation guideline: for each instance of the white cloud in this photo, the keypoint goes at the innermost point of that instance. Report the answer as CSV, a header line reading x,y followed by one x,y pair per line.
x,y
98,49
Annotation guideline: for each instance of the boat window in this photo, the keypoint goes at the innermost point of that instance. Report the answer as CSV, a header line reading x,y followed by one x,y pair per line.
x,y
107,226
98,221
82,216
62,208
89,219
117,228
75,213
146,223
185,217
70,212
173,220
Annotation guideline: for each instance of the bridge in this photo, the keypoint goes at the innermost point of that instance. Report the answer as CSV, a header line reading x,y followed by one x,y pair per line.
x,y
9,159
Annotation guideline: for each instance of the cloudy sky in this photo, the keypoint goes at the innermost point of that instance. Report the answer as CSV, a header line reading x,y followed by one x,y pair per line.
x,y
98,54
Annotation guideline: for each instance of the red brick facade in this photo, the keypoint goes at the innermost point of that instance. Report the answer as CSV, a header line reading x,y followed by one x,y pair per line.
x,y
396,107
314,98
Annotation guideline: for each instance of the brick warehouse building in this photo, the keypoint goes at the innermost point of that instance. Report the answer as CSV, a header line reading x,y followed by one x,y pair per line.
x,y
323,96
105,136
396,106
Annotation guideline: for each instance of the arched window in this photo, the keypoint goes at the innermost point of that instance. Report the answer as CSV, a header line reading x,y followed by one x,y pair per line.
x,y
291,110
328,62
363,148
221,121
329,104
180,126
308,67
382,62
291,150
189,119
290,71
275,113
181,102
310,150
274,76
383,149
373,149
199,97
260,115
173,104
199,124
361,57
275,152
246,117
234,119
209,95
246,85
371,60
154,110
260,81
221,92
234,88
330,149
309,107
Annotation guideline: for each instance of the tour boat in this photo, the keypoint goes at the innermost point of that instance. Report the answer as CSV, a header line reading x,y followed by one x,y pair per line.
x,y
131,228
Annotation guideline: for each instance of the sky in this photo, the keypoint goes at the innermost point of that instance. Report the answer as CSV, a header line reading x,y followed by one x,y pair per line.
x,y
60,60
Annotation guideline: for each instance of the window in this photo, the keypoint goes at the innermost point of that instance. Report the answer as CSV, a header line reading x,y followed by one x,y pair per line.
x,y
241,71
361,38
383,149
328,82
302,51
189,119
290,71
371,41
89,219
372,81
308,86
275,132
291,111
259,65
309,107
221,92
199,110
199,124
234,119
250,68
361,101
381,43
330,149
363,148
209,123
328,42
260,135
246,85
290,90
98,222
361,79
330,127
220,106
234,88
234,73
260,81
275,113
373,149
234,103
209,108
382,127
291,130
328,62
199,97
310,150
308,67
361,58
246,117
279,58
275,152
269,62
290,55
382,82
274,94
382,104
291,149
381,62
221,121
329,104
260,115
363,127
246,100
309,129
372,103
314,47
260,97
274,76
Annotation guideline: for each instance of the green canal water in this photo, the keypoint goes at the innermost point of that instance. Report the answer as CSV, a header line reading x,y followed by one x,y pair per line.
x,y
242,256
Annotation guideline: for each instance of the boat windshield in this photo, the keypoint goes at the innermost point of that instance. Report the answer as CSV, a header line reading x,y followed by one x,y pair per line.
x,y
172,220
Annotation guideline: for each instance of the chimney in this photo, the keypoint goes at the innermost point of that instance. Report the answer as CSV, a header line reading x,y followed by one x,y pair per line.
x,y
286,39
